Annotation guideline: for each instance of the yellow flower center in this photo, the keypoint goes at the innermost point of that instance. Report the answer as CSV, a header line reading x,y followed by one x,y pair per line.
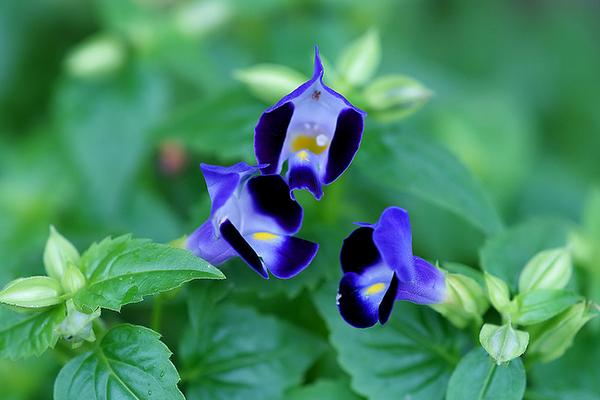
x,y
264,236
306,142
375,288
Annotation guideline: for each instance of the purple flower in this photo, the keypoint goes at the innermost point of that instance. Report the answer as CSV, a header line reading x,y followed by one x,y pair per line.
x,y
379,268
252,217
315,129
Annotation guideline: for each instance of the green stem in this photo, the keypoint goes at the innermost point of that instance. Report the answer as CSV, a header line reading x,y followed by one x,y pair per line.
x,y
157,312
487,381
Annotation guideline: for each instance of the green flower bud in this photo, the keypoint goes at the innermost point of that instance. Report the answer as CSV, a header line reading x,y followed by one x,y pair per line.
x,y
96,57
77,326
395,97
270,82
498,293
550,340
57,253
359,61
73,279
549,269
194,19
32,292
503,343
465,300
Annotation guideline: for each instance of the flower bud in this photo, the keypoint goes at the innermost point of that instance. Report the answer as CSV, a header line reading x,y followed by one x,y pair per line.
x,y
503,343
359,61
465,300
552,338
549,269
57,253
498,293
396,96
77,326
270,82
96,57
73,279
32,292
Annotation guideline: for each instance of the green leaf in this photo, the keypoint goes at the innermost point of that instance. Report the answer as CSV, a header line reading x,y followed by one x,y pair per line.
x,y
201,125
359,60
394,97
28,333
429,172
542,304
323,389
477,377
124,270
106,126
238,354
507,253
412,356
130,362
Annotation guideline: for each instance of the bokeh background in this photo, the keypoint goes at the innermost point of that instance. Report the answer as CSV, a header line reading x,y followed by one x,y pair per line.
x,y
108,141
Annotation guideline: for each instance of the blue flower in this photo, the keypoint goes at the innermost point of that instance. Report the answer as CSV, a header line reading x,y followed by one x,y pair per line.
x,y
252,217
379,268
315,129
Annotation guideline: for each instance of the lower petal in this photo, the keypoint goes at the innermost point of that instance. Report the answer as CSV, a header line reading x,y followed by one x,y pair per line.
x,y
206,244
364,299
303,173
428,287
230,233
284,256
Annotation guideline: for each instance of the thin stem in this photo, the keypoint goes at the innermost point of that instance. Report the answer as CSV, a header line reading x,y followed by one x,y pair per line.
x,y
157,312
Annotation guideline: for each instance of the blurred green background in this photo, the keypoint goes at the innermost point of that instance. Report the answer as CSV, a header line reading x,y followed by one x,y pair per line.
x,y
107,141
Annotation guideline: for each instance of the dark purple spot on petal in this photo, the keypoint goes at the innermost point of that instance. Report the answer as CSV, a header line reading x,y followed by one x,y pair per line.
x,y
269,136
241,246
345,143
359,251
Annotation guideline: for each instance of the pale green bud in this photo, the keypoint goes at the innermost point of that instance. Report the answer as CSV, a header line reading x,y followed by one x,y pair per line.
x,y
395,96
77,326
549,269
58,252
498,293
73,279
197,18
359,60
465,300
550,340
270,82
97,56
503,343
32,292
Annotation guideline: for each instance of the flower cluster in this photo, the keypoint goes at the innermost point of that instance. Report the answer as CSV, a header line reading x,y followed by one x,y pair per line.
x,y
314,132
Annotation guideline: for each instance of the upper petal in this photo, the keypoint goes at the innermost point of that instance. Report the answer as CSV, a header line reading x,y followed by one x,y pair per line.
x,y
345,143
393,238
359,251
270,134
267,206
427,287
222,182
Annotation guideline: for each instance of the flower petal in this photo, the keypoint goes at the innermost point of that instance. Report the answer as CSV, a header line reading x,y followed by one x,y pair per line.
x,y
428,287
387,303
221,182
270,134
231,234
345,143
284,256
393,238
359,251
268,206
303,173
206,244
360,296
